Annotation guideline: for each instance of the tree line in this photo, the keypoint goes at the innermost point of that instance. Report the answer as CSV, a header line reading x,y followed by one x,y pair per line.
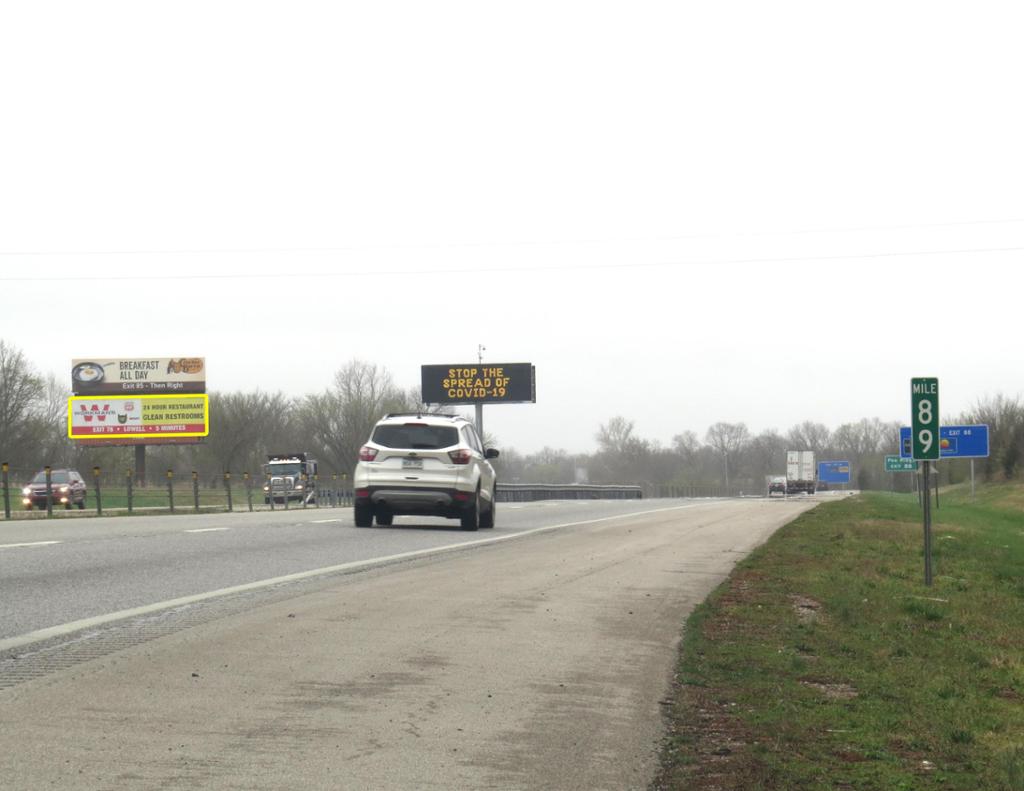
x,y
333,424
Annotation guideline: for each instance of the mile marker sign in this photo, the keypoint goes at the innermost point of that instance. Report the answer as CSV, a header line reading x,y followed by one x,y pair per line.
x,y
924,400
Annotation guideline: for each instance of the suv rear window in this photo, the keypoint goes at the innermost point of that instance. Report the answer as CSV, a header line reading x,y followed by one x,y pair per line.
x,y
415,436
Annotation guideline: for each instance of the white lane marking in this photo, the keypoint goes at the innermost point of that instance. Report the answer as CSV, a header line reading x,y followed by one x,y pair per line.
x,y
325,521
207,529
30,544
99,620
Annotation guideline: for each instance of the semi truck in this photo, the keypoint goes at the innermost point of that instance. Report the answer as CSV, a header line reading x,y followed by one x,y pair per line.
x,y
801,472
289,476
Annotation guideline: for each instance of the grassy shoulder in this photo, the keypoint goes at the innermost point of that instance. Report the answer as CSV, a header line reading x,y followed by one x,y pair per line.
x,y
823,662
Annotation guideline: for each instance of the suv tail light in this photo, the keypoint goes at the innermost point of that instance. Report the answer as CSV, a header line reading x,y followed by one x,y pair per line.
x,y
367,453
460,456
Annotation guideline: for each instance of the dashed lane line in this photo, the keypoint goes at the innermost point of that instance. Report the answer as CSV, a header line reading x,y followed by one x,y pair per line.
x,y
30,544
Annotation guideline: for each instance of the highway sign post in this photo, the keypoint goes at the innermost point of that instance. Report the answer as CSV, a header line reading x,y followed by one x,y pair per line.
x,y
924,446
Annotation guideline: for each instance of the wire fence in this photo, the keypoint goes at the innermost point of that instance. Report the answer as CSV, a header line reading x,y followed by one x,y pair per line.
x,y
111,493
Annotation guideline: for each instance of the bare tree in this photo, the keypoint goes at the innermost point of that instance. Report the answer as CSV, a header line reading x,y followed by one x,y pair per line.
x,y
686,444
21,393
728,439
1004,417
808,436
241,426
340,419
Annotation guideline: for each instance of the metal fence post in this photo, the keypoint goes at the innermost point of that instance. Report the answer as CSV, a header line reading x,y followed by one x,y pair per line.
x,y
248,490
227,485
170,488
99,496
130,474
49,492
195,490
305,489
270,492
344,488
316,489
7,492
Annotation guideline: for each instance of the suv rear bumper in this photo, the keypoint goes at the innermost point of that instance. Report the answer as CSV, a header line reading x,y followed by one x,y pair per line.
x,y
408,500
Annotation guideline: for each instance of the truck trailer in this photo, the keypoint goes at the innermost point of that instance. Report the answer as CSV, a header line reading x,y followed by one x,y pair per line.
x,y
801,472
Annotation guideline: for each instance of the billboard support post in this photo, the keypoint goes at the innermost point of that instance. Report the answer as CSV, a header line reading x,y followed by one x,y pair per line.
x,y
99,496
972,479
479,408
140,464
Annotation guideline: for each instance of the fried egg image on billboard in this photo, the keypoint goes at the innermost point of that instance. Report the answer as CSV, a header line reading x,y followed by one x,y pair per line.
x,y
87,372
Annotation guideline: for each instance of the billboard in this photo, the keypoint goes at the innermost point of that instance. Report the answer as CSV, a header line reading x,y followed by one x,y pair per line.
x,y
141,417
477,383
834,471
955,442
121,376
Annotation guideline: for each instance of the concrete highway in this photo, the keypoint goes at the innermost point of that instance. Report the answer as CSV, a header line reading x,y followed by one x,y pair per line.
x,y
291,649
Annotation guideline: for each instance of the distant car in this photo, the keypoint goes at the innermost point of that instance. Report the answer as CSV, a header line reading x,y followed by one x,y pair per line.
x,y
67,488
777,485
426,464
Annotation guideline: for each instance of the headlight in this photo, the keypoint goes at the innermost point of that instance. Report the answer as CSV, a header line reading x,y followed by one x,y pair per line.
x,y
298,486
27,491
266,488
64,488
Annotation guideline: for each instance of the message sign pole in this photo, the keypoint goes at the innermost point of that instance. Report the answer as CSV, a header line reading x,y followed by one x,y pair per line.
x,y
924,403
7,493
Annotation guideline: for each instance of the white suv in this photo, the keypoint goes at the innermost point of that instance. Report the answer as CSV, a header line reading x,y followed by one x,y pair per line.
x,y
428,464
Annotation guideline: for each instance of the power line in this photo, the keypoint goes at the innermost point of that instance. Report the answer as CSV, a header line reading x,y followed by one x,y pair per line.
x,y
508,269
520,243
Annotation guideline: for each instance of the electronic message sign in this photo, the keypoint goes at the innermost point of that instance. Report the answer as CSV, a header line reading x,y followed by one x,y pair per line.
x,y
479,383
138,417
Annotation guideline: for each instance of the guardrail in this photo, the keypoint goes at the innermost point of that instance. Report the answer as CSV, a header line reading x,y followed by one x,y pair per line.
x,y
528,492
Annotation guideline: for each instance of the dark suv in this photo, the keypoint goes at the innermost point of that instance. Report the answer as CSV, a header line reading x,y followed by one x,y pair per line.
x,y
67,488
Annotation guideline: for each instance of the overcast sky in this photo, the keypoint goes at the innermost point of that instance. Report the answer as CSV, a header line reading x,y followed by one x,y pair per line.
x,y
679,212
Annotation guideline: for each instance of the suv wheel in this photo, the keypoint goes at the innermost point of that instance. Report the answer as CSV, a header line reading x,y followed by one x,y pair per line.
x,y
471,516
363,516
385,520
487,518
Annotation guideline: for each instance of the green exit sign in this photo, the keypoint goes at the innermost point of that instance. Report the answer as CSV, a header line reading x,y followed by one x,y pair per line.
x,y
896,464
924,421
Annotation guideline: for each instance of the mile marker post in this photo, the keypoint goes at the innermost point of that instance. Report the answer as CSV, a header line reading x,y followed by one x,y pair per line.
x,y
924,404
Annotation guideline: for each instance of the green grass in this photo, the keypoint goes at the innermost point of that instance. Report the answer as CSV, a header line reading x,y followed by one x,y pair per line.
x,y
825,663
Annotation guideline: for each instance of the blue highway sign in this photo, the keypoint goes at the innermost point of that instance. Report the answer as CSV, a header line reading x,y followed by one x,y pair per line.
x,y
834,471
955,442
